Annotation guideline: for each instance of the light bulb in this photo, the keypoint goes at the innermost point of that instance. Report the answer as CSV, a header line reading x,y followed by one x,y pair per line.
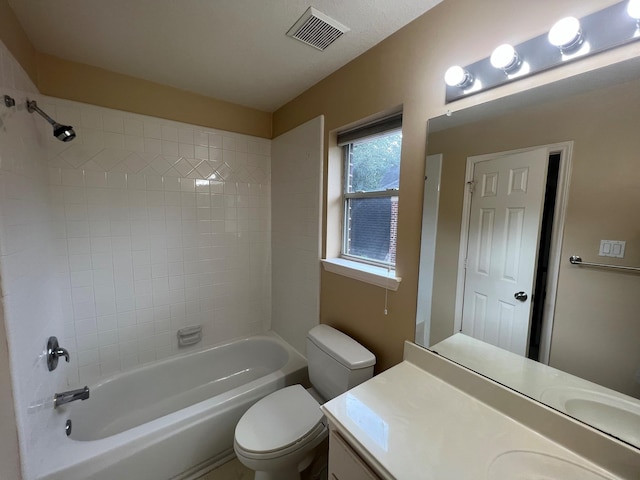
x,y
457,76
505,58
633,9
566,33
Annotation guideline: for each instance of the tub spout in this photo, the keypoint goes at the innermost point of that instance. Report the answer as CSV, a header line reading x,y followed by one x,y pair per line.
x,y
70,396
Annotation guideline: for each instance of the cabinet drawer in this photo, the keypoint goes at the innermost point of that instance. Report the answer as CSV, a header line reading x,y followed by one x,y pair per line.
x,y
345,463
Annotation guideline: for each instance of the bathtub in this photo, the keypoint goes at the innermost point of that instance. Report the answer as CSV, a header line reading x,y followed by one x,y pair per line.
x,y
173,419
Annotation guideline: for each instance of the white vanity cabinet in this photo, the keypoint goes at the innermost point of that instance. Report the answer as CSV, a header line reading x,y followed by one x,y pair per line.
x,y
345,463
408,423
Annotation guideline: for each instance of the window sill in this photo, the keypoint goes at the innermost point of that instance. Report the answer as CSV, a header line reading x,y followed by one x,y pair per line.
x,y
378,276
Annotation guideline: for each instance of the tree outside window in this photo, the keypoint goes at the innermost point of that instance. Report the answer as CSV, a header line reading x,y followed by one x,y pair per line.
x,y
372,177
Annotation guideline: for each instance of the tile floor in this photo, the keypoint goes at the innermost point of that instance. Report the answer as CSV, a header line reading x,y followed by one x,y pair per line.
x,y
232,470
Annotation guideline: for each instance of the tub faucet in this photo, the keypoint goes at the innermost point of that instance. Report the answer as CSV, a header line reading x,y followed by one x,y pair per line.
x,y
70,396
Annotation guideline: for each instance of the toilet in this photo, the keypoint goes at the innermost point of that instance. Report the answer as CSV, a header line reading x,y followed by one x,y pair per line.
x,y
277,437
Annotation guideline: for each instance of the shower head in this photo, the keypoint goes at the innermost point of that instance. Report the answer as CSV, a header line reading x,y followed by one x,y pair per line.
x,y
61,132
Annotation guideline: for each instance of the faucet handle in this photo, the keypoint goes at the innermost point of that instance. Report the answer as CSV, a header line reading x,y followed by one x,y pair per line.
x,y
62,352
53,352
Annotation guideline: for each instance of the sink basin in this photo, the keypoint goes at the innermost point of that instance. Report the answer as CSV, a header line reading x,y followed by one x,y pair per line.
x,y
525,465
614,415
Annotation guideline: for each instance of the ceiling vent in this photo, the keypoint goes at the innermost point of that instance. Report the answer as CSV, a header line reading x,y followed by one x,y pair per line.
x,y
316,29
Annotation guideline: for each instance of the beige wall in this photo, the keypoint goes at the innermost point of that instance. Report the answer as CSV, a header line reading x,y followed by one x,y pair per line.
x,y
407,69
14,37
596,332
96,86
84,83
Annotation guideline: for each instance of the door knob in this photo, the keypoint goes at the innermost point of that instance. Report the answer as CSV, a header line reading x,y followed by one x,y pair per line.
x,y
521,296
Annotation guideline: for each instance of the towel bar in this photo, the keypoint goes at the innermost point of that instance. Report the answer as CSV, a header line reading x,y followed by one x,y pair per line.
x,y
577,260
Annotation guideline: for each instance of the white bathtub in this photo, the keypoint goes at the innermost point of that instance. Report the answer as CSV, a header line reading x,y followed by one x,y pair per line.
x,y
173,418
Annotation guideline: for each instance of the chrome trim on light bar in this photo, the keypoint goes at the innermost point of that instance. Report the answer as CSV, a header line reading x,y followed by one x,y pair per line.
x,y
603,30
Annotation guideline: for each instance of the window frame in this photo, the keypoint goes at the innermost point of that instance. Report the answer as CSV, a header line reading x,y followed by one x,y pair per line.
x,y
367,132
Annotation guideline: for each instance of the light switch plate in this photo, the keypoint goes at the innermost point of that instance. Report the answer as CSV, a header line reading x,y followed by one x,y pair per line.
x,y
612,248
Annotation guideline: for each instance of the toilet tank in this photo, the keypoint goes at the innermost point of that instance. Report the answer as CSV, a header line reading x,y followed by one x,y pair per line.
x,y
336,361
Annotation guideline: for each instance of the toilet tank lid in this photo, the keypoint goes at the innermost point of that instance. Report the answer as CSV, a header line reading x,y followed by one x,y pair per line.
x,y
341,347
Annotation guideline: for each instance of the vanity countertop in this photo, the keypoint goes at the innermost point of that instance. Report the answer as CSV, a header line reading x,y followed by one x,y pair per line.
x,y
522,374
409,424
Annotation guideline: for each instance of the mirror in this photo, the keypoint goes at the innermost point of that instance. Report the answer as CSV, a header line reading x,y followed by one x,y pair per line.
x,y
577,143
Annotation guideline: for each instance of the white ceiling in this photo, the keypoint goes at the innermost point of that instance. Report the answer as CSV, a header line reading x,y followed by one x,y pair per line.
x,y
235,50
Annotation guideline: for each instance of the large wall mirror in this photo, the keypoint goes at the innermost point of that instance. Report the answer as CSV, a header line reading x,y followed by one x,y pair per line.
x,y
525,183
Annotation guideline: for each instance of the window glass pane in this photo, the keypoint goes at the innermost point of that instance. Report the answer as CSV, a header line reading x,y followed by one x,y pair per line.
x,y
371,228
374,164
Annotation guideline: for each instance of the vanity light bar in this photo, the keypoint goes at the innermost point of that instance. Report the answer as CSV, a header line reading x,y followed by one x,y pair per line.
x,y
505,58
566,34
457,76
569,39
633,9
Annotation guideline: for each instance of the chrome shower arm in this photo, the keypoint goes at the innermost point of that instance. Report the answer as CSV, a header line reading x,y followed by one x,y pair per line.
x,y
64,133
32,106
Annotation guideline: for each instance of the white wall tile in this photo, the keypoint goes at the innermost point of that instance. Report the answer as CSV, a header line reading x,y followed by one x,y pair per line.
x,y
135,143
79,263
86,326
169,133
133,127
113,123
116,180
187,185
28,241
79,246
152,145
154,182
72,177
201,152
75,212
170,148
156,224
136,182
107,322
68,114
91,118
84,311
95,179
127,216
81,279
99,228
172,184
152,129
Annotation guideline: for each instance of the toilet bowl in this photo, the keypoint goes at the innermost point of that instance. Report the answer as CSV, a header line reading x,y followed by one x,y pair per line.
x,y
279,435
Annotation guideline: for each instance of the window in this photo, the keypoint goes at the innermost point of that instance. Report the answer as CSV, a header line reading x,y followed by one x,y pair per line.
x,y
371,190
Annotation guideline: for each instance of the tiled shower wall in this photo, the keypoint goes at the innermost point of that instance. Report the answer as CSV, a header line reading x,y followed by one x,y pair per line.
x,y
30,304
159,225
114,241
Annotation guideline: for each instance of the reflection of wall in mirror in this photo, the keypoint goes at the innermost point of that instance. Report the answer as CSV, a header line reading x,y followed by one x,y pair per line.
x,y
596,332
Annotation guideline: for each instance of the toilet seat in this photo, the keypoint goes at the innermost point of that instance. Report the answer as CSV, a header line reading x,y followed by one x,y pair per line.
x,y
280,423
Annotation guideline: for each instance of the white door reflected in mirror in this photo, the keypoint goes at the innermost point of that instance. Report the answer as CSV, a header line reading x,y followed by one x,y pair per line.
x,y
504,225
584,324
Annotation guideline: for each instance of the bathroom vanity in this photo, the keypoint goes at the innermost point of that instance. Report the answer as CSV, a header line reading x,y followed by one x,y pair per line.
x,y
429,418
344,461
